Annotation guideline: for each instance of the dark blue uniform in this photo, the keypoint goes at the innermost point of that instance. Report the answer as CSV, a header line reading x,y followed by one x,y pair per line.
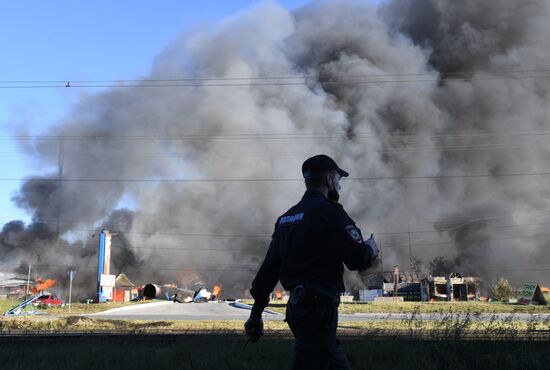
x,y
310,245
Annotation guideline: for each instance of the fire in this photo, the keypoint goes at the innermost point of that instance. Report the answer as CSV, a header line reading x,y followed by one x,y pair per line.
x,y
278,294
216,290
41,285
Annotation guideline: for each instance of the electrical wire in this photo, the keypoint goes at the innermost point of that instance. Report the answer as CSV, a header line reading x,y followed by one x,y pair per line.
x,y
283,136
198,269
275,180
294,80
277,77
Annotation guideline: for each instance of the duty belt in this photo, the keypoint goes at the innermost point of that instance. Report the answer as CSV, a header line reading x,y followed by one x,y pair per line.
x,y
308,293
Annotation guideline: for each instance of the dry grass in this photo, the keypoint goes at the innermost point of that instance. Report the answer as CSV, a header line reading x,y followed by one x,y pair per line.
x,y
424,307
85,324
450,325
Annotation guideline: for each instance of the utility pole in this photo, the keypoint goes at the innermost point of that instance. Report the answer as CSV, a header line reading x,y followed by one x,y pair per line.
x,y
28,282
410,252
395,281
72,273
59,200
381,259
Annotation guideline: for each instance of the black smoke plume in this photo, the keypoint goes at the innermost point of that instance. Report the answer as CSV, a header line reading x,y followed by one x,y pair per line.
x,y
440,91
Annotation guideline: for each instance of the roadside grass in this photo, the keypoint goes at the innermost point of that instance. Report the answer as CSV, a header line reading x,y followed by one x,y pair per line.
x,y
6,304
424,307
345,308
455,325
228,352
76,308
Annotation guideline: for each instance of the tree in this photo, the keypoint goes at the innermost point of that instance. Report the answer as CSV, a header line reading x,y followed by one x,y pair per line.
x,y
502,290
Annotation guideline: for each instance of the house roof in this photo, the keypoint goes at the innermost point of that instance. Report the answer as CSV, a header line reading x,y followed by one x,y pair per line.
x,y
123,281
10,279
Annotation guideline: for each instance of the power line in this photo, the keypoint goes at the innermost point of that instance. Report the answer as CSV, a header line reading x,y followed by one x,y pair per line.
x,y
195,268
441,74
370,178
121,153
244,235
66,85
218,249
469,241
140,268
236,270
441,221
289,135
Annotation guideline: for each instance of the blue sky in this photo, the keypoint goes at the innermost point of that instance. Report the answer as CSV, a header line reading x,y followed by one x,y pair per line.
x,y
81,40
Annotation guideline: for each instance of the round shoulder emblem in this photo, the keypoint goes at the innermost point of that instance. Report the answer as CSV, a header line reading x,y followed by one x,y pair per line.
x,y
354,233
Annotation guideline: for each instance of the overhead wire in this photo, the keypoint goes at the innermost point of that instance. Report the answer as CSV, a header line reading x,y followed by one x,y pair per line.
x,y
183,234
275,180
198,269
294,80
384,137
274,77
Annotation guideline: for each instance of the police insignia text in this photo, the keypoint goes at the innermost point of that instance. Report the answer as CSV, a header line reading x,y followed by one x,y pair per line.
x,y
291,218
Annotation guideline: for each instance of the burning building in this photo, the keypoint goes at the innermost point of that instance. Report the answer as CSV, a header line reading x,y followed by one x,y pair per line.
x,y
124,290
452,287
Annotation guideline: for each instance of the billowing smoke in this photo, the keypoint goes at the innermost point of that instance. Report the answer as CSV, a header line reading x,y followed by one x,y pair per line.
x,y
415,98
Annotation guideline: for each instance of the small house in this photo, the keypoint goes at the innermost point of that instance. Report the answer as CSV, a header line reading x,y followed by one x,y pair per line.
x,y
124,290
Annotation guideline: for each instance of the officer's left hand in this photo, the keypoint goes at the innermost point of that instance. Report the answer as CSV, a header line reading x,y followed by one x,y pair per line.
x,y
254,328
371,243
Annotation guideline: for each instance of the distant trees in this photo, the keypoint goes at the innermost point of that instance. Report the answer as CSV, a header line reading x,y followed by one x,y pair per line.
x,y
502,290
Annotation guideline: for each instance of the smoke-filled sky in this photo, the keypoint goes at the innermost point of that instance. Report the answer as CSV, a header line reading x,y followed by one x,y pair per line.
x,y
438,109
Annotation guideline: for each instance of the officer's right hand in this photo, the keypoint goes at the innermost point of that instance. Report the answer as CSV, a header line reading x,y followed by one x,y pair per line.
x,y
254,328
371,243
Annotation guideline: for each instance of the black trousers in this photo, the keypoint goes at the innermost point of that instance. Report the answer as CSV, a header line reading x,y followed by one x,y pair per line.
x,y
313,324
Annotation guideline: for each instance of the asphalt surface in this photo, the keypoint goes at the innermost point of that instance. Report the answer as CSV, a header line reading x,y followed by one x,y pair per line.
x,y
183,311
237,311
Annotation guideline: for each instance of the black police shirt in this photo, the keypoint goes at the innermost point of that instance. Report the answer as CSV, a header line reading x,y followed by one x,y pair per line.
x,y
310,245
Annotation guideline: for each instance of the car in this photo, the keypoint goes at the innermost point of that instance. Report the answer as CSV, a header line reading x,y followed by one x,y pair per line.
x,y
48,300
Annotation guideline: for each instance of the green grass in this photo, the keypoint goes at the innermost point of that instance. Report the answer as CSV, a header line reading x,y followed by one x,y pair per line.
x,y
424,307
76,308
347,308
448,326
6,304
227,352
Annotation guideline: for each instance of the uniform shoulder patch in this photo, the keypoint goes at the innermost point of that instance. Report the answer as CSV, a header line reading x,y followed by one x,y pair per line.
x,y
354,233
290,219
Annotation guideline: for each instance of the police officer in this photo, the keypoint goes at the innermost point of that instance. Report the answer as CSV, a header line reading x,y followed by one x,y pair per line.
x,y
311,244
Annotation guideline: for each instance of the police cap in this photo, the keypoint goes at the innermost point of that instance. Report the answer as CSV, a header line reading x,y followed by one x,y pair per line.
x,y
319,164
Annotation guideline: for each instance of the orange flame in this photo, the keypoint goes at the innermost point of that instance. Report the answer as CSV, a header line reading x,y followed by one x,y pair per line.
x,y
216,290
278,294
42,285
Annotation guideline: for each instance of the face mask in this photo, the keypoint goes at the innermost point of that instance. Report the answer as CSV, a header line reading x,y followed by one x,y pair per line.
x,y
333,195
333,189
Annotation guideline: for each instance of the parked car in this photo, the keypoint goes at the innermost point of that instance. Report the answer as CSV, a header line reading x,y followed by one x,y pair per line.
x,y
48,300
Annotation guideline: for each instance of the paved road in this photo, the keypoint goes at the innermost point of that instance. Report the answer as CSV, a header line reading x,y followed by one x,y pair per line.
x,y
182,311
226,311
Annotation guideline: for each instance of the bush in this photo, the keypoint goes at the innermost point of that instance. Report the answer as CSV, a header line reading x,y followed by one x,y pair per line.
x,y
502,290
